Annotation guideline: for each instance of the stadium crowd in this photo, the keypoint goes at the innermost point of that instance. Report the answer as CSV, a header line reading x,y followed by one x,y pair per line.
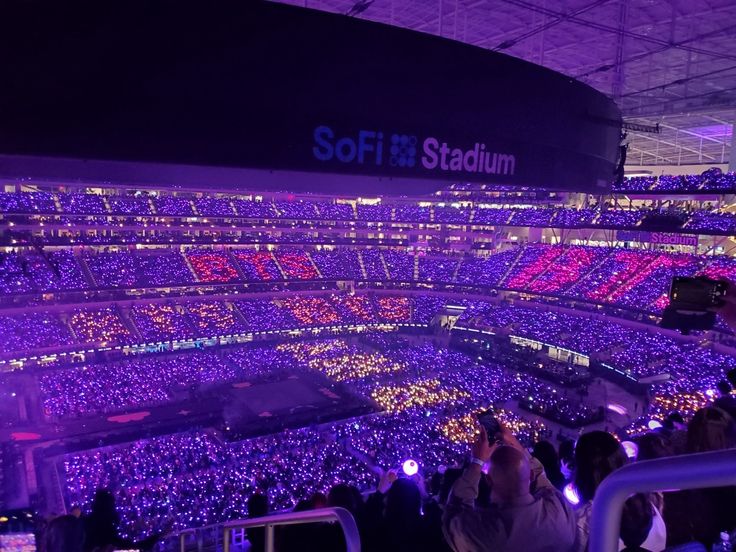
x,y
430,395
484,496
628,278
142,209
710,181
470,492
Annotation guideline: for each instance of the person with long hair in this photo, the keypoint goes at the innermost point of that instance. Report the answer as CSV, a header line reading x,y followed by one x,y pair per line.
x,y
64,534
257,507
701,514
653,445
101,527
711,429
597,455
545,452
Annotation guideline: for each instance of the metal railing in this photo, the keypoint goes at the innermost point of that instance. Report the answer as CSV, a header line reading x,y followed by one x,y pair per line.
x,y
690,471
206,538
340,515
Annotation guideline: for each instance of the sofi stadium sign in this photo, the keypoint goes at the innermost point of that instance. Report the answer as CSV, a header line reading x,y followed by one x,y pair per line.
x,y
409,151
660,238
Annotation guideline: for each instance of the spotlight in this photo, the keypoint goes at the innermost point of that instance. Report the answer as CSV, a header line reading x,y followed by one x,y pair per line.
x,y
410,467
654,424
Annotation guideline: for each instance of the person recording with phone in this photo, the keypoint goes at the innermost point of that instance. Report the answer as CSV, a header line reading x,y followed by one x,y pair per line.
x,y
526,513
694,303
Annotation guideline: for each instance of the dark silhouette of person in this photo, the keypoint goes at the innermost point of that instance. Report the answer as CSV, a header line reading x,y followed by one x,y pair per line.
x,y
257,507
545,452
64,534
101,527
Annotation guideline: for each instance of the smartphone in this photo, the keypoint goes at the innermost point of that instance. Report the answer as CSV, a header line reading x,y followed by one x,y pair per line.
x,y
696,294
490,424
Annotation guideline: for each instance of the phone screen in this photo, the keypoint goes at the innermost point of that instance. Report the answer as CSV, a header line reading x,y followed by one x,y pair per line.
x,y
490,424
696,293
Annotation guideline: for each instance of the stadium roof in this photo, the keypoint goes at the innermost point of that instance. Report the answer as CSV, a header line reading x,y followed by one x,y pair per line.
x,y
671,63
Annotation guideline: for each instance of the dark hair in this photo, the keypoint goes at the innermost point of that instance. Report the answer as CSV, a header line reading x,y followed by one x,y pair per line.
x,y
318,500
545,452
567,450
448,480
711,429
671,419
435,483
257,505
731,376
727,403
342,495
724,388
303,505
103,508
653,445
597,455
64,534
636,520
403,501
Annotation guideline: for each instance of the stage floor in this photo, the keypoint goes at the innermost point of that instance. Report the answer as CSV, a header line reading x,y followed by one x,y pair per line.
x,y
236,409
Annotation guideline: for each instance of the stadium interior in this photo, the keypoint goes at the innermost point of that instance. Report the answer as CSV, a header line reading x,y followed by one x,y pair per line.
x,y
197,351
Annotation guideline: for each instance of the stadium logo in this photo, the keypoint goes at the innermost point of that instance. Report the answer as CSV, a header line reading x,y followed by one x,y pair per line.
x,y
475,160
403,149
660,238
367,148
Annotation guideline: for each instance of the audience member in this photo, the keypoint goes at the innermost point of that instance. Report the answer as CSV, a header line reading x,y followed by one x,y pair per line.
x,y
653,445
701,514
520,517
101,527
641,525
64,534
545,452
674,432
711,429
330,537
257,507
727,403
597,455
393,518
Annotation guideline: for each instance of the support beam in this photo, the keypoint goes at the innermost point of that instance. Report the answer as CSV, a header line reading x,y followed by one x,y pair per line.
x,y
680,147
649,154
618,76
607,28
718,100
685,131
